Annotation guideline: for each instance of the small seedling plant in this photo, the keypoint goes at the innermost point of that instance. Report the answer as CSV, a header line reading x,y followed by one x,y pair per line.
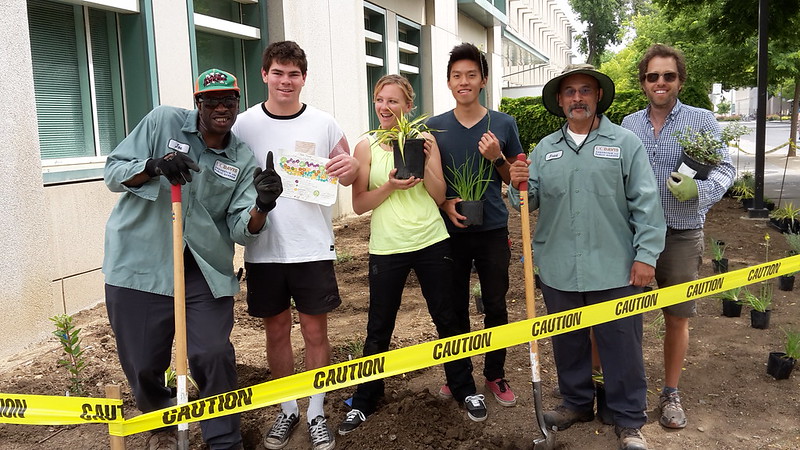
x,y
701,146
762,301
405,128
731,295
70,340
471,179
717,249
791,345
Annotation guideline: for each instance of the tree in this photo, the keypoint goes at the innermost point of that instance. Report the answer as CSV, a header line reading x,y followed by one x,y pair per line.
x,y
603,20
731,28
724,107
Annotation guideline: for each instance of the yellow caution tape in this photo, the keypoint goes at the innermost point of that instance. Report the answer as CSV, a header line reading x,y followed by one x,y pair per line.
x,y
420,356
54,410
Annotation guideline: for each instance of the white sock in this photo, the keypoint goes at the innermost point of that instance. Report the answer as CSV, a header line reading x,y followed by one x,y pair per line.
x,y
315,409
290,408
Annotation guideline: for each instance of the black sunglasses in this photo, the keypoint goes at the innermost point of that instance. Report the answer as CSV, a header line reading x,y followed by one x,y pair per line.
x,y
213,102
669,77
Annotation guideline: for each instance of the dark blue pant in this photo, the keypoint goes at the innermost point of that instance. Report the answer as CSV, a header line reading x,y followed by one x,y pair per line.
x,y
144,326
387,278
619,343
491,255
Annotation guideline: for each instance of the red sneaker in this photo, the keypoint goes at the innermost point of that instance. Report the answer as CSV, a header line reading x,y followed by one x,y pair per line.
x,y
444,392
502,392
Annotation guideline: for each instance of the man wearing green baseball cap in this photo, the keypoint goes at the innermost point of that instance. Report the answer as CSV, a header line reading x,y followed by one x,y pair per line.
x,y
217,173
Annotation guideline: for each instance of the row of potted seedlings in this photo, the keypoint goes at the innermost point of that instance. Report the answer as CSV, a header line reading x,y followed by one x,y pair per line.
x,y
779,364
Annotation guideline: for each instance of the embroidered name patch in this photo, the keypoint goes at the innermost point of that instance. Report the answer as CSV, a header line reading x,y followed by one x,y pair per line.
x,y
226,170
179,146
601,151
553,155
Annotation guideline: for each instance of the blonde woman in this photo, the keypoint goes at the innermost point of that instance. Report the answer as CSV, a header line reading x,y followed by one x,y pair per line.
x,y
406,232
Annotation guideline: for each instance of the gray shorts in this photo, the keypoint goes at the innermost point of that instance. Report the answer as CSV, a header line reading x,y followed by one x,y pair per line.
x,y
679,263
272,286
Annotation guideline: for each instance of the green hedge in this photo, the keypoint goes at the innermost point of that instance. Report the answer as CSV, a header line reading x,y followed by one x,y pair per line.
x,y
535,122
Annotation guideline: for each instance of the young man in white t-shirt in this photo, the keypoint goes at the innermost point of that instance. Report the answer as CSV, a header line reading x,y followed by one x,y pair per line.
x,y
293,259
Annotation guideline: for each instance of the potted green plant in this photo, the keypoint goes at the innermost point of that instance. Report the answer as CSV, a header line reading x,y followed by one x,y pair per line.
x,y
407,139
786,218
476,292
700,152
731,304
470,181
605,415
718,260
781,364
760,304
786,282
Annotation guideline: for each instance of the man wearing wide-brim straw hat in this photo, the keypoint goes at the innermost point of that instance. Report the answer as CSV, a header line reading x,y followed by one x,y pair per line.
x,y
599,232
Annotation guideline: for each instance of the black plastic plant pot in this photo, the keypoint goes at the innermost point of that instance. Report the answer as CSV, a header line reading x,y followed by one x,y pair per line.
x,y
686,165
759,319
411,161
731,308
472,209
605,415
779,366
720,265
786,282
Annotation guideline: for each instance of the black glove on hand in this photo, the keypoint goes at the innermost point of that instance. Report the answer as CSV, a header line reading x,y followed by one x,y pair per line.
x,y
175,166
268,185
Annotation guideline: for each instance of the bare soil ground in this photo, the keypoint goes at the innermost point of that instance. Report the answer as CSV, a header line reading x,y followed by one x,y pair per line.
x,y
730,401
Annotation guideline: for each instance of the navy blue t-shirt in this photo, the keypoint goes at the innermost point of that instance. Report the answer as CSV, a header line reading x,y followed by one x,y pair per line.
x,y
457,143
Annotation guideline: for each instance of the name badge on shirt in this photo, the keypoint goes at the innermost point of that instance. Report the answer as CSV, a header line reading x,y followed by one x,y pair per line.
x,y
601,151
179,146
226,170
553,155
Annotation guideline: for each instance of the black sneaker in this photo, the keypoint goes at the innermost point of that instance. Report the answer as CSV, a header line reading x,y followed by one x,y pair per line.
x,y
630,439
562,417
278,436
476,408
351,421
321,436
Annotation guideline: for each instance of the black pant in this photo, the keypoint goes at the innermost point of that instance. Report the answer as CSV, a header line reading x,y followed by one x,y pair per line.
x,y
144,325
619,344
387,278
490,252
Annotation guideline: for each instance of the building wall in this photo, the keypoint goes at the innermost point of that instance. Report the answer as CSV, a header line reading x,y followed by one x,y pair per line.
x,y
53,250
26,266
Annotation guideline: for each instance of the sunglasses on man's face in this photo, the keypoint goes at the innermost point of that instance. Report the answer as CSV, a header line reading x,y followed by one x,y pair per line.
x,y
653,77
213,102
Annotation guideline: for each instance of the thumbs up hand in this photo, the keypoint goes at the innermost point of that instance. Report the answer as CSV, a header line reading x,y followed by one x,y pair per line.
x,y
268,186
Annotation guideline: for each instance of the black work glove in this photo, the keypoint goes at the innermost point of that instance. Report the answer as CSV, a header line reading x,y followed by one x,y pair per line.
x,y
175,166
268,185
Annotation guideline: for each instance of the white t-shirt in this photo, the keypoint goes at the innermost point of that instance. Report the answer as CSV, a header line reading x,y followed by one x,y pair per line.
x,y
298,231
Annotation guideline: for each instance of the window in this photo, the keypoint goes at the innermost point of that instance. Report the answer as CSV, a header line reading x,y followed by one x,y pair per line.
x,y
408,40
385,31
374,31
78,85
228,36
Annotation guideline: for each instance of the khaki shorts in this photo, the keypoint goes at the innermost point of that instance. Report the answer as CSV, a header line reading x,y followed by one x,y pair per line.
x,y
679,263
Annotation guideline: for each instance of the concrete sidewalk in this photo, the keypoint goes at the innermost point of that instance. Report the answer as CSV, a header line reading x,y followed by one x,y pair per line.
x,y
776,164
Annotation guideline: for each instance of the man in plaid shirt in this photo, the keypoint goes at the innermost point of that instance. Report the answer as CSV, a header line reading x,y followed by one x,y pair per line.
x,y
662,73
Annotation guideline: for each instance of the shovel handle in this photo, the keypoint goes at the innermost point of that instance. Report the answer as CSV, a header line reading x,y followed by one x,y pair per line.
x,y
181,369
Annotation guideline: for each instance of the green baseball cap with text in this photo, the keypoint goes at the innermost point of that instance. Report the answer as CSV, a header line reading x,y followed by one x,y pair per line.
x,y
215,80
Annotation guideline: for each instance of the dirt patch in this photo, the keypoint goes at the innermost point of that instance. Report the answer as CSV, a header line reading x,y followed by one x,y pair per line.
x,y
730,401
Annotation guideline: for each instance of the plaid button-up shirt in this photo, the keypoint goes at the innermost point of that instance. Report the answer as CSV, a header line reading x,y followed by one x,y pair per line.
x,y
664,152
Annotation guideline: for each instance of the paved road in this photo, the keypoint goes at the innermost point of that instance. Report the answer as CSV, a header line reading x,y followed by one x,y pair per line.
x,y
776,164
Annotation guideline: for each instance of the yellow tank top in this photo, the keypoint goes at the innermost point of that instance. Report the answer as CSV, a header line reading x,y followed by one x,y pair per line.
x,y
408,220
